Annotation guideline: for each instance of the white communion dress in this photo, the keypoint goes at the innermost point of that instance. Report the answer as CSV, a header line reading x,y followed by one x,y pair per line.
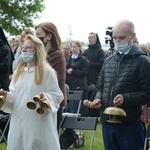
x,y
28,129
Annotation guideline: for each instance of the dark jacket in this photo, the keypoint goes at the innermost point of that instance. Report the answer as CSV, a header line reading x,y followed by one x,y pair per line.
x,y
129,76
5,65
96,56
78,78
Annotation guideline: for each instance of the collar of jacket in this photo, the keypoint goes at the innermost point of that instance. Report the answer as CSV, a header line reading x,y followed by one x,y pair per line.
x,y
51,50
136,50
79,56
93,46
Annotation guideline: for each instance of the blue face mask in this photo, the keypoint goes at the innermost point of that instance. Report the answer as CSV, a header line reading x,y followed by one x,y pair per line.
x,y
27,56
122,46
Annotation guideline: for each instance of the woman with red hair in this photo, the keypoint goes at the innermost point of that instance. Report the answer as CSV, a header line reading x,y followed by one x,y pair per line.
x,y
47,32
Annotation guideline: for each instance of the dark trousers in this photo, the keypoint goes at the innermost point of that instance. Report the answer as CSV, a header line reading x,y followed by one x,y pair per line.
x,y
123,136
59,117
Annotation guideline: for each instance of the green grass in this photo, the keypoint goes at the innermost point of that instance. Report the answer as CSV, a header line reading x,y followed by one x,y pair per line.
x,y
97,144
98,140
2,146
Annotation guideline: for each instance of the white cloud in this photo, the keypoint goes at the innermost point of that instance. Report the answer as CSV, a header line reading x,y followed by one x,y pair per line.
x,y
86,16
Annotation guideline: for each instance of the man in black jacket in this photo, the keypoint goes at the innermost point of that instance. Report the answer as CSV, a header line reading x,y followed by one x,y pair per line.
x,y
124,82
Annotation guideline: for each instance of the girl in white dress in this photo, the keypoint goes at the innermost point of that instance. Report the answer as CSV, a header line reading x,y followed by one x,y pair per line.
x,y
28,129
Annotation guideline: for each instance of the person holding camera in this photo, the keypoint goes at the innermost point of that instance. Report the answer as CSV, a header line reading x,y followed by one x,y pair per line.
x,y
124,82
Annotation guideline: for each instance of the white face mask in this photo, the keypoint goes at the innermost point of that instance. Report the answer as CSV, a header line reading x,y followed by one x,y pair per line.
x,y
27,56
122,46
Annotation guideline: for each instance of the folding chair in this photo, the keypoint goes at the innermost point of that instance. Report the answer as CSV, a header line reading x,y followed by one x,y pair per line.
x,y
2,132
147,138
80,123
73,96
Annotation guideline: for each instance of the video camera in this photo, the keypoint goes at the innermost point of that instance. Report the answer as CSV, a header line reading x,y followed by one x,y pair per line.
x,y
109,38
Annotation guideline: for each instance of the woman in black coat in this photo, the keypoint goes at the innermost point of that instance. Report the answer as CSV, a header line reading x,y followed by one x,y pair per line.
x,y
96,56
77,70
6,59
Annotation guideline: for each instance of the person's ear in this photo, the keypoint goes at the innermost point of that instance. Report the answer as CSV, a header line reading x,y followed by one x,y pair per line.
x,y
50,36
133,36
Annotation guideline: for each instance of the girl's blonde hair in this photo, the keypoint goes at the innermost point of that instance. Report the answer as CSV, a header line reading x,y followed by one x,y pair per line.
x,y
40,61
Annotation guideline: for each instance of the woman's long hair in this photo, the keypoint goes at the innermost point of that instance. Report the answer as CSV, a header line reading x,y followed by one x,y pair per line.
x,y
40,61
50,28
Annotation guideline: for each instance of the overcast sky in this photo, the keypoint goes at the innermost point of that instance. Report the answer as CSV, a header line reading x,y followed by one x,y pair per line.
x,y
86,16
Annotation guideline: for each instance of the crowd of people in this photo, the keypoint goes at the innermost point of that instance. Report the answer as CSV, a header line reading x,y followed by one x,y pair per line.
x,y
39,64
